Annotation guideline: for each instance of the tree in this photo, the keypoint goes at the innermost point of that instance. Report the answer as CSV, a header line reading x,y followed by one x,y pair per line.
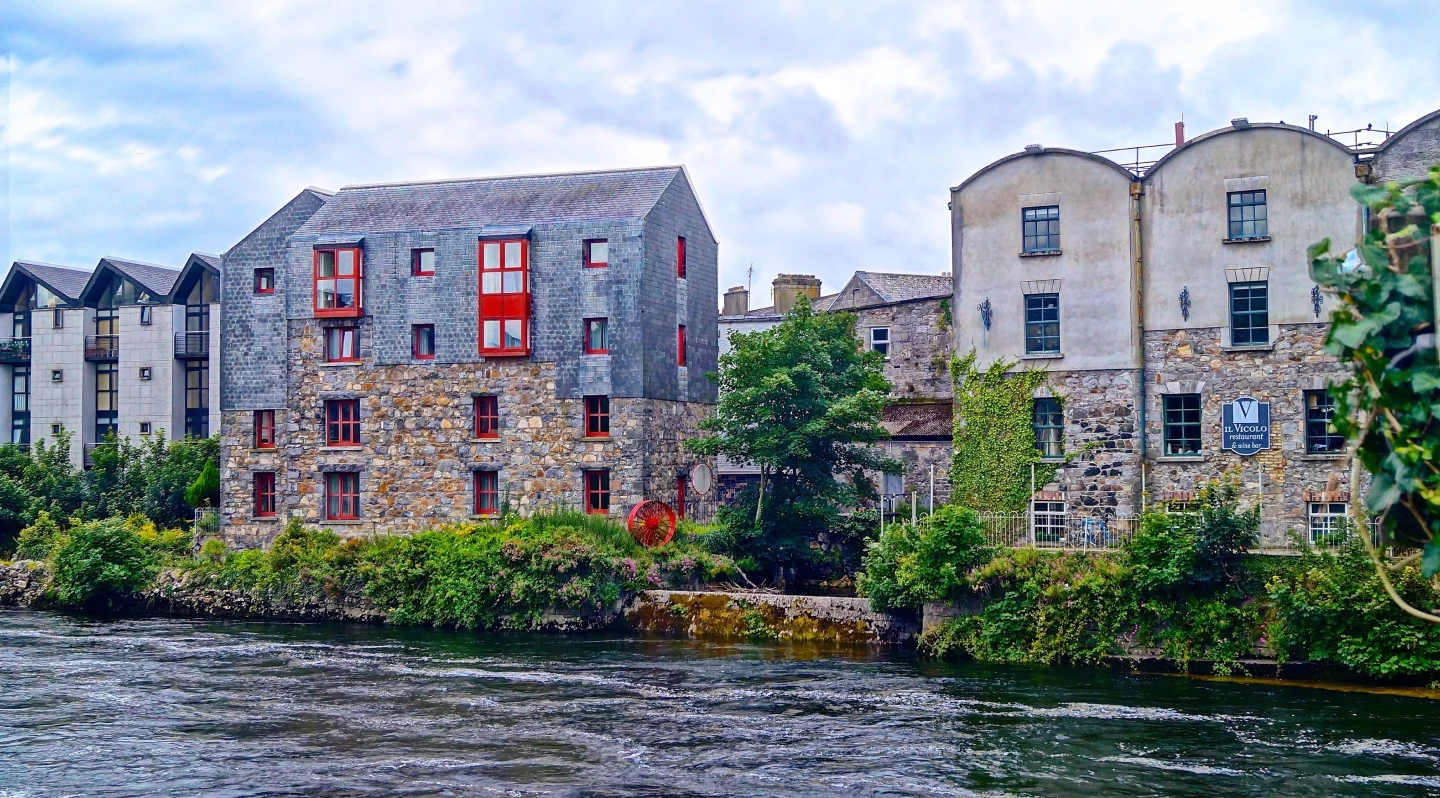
x,y
205,491
802,401
1384,329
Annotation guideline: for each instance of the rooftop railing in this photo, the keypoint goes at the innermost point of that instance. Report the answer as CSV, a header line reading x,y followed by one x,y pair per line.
x,y
190,345
102,347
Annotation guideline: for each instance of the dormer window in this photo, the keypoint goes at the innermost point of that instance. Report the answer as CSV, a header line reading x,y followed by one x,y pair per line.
x,y
597,254
505,297
339,282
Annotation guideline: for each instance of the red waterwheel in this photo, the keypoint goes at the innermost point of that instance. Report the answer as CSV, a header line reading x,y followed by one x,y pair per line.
x,y
652,523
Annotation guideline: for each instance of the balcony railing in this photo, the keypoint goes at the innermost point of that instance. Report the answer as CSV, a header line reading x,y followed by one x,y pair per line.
x,y
89,449
102,347
189,345
14,350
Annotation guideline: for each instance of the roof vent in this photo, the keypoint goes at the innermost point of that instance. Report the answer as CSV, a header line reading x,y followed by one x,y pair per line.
x,y
1033,148
1240,122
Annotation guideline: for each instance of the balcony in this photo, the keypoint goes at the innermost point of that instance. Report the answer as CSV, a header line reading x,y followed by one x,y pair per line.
x,y
88,450
192,345
14,350
102,348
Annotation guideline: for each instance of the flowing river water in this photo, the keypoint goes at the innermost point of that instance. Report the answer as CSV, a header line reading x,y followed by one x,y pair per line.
x,y
196,708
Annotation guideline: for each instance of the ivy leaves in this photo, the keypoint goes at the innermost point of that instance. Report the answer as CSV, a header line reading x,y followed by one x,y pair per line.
x,y
995,436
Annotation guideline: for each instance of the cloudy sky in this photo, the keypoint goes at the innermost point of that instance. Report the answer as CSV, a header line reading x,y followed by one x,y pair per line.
x,y
822,136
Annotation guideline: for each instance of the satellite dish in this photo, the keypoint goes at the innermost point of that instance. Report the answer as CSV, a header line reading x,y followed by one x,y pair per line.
x,y
702,479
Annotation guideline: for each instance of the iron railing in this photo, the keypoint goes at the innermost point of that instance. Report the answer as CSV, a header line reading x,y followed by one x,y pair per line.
x,y
1074,532
87,451
207,523
102,347
190,345
14,350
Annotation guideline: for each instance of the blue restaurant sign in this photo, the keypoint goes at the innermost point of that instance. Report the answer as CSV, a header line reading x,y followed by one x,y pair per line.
x,y
1246,426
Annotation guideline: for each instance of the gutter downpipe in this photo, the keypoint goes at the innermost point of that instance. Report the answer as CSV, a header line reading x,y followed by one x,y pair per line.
x,y
1137,188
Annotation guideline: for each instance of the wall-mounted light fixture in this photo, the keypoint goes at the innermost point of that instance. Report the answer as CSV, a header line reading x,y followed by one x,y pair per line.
x,y
986,313
1316,299
1185,303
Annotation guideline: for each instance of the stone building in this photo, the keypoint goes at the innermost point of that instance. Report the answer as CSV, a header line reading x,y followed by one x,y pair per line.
x,y
904,316
405,355
122,348
1153,298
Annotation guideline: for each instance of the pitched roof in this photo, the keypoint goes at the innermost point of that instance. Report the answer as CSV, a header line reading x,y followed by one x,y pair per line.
x,y
919,419
211,260
904,287
63,280
154,278
524,199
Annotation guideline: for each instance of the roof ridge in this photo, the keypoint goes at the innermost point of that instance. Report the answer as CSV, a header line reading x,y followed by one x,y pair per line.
x,y
113,259
523,176
24,262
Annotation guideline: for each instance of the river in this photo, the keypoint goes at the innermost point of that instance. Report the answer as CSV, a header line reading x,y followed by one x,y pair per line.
x,y
188,708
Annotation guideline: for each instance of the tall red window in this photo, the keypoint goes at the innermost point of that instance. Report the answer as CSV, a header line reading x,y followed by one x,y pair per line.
x,y
265,280
680,257
680,345
265,494
342,496
339,282
342,422
597,491
487,492
423,341
505,297
597,336
487,416
422,262
597,254
264,429
597,416
342,344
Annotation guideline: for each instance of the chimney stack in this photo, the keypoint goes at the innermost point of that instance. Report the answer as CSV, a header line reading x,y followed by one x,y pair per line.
x,y
1180,133
1240,121
737,302
790,287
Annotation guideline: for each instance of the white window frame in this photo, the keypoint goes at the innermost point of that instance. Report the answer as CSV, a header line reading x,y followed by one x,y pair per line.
x,y
876,344
1047,518
1321,517
146,314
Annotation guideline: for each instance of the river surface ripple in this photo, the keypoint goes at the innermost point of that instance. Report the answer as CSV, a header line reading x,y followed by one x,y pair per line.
x,y
183,708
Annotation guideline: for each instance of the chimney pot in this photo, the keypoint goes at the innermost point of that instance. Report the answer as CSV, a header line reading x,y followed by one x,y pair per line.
x,y
737,302
1180,134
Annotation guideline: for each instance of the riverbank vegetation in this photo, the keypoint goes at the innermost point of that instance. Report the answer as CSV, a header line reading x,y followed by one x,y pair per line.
x,y
1183,588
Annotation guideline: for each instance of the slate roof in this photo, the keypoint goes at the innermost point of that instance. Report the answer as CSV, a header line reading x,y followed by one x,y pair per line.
x,y
211,260
904,287
66,281
524,199
821,304
919,420
158,280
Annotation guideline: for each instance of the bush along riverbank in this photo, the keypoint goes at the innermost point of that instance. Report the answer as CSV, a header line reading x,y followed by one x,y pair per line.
x,y
1183,589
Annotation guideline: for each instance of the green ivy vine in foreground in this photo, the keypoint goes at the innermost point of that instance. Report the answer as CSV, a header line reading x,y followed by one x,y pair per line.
x,y
995,436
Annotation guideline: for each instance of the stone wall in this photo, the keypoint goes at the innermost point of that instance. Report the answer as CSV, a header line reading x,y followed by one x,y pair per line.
x,y
918,365
918,457
1101,471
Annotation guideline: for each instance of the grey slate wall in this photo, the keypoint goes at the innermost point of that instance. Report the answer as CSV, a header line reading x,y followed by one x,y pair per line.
x,y
668,301
252,361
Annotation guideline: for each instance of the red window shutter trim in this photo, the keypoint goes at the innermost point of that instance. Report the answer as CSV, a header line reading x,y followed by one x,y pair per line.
x,y
499,307
358,276
680,257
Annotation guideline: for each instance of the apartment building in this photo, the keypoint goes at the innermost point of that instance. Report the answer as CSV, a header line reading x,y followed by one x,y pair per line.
x,y
123,348
404,355
1159,299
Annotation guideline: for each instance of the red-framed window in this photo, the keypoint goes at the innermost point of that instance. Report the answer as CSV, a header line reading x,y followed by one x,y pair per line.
x,y
264,429
680,497
342,496
597,336
265,280
339,282
342,344
423,341
597,492
487,492
680,257
487,416
505,297
265,494
342,422
422,262
597,253
597,416
680,345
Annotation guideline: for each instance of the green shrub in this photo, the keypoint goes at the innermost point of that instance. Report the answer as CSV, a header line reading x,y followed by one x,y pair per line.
x,y
910,565
99,562
36,539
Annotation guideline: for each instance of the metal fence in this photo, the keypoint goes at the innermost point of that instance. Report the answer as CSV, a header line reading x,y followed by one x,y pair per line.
x,y
1079,532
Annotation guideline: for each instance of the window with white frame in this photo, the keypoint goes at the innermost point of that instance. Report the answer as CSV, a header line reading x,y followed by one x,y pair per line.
x,y
1047,521
1328,522
880,340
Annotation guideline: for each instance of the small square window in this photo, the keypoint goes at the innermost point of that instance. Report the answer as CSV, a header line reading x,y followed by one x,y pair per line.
x,y
144,428
423,336
597,416
487,492
56,428
265,281
57,318
264,429
1249,314
680,257
1042,324
1248,215
597,336
1320,437
1040,228
597,492
342,344
342,422
680,346
880,340
487,416
145,372
422,262
57,375
597,254
1328,522
1181,424
146,313
1047,521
